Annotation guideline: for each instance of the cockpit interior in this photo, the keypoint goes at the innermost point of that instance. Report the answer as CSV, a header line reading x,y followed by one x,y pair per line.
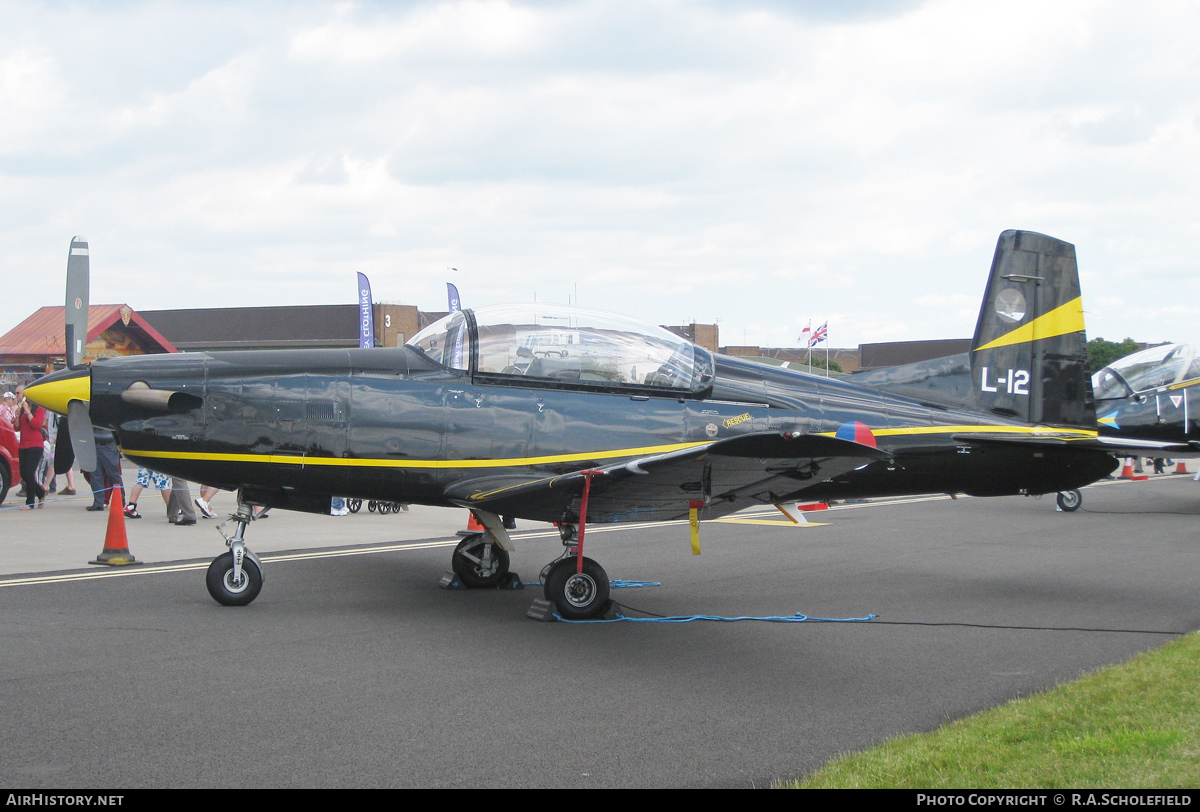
x,y
545,344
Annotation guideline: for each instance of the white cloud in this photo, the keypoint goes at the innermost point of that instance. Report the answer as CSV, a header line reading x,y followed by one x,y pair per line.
x,y
756,163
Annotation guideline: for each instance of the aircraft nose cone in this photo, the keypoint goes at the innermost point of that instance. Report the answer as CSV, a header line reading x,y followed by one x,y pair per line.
x,y
56,391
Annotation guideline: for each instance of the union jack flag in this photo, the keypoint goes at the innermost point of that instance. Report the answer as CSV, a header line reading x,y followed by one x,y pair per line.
x,y
818,335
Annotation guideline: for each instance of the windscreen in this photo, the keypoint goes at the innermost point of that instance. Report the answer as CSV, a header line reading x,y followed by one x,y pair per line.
x,y
445,342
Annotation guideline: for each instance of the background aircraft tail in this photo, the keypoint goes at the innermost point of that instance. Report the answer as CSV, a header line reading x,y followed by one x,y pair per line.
x,y
1028,359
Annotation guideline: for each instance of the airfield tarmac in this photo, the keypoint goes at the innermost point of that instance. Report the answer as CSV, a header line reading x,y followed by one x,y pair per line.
x,y
353,669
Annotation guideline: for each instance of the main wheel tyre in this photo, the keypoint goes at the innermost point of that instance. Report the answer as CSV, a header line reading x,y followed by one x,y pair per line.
x,y
578,595
480,563
354,505
372,506
224,589
385,508
1070,500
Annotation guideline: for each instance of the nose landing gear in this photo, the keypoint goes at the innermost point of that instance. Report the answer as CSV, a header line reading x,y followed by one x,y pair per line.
x,y
235,578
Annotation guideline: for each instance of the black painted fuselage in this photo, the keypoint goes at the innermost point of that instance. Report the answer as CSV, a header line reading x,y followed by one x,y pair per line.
x,y
389,424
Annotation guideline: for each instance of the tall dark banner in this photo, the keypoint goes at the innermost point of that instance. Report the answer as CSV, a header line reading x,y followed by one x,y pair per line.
x,y
366,314
455,305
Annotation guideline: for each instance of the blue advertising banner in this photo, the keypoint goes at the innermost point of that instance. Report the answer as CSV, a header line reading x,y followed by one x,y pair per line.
x,y
455,306
366,313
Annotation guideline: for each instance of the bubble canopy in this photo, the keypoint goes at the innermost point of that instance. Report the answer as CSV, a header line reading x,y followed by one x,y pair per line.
x,y
546,344
1157,366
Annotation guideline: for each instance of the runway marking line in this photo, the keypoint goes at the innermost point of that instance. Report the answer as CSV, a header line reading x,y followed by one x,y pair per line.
x,y
775,522
747,517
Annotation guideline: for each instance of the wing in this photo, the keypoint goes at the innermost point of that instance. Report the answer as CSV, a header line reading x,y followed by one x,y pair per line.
x,y
729,475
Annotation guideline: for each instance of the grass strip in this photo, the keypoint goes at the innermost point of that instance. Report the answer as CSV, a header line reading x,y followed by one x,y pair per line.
x,y
1132,725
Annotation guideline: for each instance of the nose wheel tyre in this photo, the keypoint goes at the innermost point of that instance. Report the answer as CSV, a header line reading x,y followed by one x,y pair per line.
x,y
1070,500
228,591
479,563
578,595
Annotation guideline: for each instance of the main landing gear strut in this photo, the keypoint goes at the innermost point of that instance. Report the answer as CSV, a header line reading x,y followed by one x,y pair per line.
x,y
235,578
577,586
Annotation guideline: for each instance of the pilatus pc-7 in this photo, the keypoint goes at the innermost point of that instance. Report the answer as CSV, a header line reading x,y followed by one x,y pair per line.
x,y
624,422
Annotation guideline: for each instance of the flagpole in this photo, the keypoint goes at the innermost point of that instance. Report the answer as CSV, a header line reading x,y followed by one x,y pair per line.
x,y
810,336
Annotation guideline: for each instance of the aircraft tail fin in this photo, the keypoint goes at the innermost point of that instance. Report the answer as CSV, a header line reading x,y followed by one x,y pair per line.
x,y
1029,355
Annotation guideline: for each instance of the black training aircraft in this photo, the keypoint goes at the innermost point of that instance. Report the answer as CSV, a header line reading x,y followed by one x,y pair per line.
x,y
1149,395
566,415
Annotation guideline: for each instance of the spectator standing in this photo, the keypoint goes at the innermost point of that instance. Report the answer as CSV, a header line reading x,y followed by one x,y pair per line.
x,y
64,457
107,475
179,506
204,501
7,413
147,479
28,423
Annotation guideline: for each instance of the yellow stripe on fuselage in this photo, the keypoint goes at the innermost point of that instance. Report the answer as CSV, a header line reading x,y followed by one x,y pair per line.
x,y
1184,384
1037,431
586,456
511,462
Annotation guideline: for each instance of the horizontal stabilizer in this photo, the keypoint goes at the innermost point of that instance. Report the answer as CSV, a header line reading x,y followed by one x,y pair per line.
x,y
1118,446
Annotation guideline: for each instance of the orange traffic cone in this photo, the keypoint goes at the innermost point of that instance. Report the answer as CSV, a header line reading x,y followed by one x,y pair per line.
x,y
1127,469
473,525
116,543
1181,467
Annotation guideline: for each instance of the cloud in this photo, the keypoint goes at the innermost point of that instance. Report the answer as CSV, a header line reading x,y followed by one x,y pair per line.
x,y
754,163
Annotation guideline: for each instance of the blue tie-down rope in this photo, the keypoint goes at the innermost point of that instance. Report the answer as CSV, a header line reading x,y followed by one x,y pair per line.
x,y
622,584
796,618
617,584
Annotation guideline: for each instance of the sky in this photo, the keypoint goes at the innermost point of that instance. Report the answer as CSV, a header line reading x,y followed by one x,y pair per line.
x,y
759,165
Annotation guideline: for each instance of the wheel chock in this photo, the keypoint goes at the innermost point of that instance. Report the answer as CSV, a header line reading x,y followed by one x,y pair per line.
x,y
450,580
545,611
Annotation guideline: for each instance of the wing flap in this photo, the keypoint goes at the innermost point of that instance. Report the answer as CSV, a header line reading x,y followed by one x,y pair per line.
x,y
728,475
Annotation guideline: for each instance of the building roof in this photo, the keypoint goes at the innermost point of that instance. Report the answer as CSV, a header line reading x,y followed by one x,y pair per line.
x,y
898,353
232,328
44,333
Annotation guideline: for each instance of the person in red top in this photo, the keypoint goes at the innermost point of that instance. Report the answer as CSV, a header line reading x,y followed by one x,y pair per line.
x,y
28,422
